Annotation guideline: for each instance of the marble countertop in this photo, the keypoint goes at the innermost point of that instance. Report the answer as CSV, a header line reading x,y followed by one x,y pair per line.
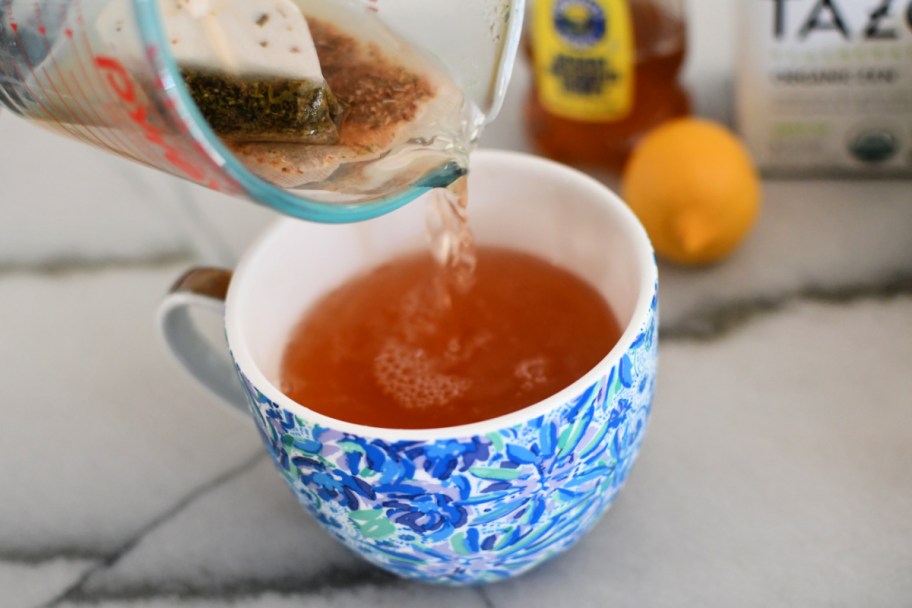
x,y
777,470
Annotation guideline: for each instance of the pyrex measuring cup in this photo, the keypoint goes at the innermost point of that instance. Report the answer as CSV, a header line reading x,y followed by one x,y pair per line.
x,y
58,70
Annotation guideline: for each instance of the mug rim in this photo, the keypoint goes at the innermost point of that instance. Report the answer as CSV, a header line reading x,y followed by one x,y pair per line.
x,y
644,256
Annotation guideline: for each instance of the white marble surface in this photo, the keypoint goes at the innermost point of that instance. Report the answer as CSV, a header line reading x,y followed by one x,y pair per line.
x,y
777,470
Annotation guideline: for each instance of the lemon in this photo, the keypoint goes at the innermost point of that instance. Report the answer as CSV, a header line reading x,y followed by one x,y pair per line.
x,y
693,185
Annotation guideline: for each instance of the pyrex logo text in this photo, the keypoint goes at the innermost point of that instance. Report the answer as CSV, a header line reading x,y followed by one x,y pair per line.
x,y
122,84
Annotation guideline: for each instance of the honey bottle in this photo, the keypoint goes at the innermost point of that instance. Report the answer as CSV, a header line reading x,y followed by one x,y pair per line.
x,y
604,73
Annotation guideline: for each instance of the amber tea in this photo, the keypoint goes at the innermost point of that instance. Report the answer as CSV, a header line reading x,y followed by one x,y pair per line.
x,y
401,346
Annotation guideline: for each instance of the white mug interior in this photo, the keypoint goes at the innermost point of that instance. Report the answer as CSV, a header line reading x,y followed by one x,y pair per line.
x,y
517,201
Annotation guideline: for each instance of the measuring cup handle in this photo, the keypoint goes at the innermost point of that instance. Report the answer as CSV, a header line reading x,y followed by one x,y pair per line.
x,y
203,288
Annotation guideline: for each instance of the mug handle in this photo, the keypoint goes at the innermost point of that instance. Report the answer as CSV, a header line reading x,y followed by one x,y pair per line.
x,y
203,288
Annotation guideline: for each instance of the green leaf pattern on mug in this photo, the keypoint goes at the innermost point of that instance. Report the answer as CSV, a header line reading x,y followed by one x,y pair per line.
x,y
373,523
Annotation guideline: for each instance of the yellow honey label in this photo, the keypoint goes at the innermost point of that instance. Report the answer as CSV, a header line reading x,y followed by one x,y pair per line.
x,y
584,58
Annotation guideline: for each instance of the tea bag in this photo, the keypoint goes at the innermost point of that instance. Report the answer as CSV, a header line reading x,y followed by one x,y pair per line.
x,y
313,96
403,115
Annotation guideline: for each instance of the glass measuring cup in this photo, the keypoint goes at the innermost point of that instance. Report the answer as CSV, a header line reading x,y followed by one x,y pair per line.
x,y
58,70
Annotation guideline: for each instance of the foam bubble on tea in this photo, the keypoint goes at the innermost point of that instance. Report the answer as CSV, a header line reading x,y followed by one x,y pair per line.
x,y
412,379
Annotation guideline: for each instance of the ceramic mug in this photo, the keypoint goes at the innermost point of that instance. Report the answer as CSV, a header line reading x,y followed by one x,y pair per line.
x,y
466,504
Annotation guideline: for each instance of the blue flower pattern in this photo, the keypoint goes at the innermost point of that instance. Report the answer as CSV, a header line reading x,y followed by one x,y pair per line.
x,y
471,509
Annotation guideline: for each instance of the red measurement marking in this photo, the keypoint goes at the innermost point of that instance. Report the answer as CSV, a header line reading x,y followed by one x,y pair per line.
x,y
120,82
126,142
214,183
42,30
38,98
73,103
69,33
76,110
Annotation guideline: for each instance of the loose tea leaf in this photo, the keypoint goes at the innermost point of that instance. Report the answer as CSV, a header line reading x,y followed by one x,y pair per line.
x,y
266,109
383,99
381,94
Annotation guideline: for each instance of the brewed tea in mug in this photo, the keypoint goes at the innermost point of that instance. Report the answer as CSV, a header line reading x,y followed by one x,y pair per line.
x,y
400,346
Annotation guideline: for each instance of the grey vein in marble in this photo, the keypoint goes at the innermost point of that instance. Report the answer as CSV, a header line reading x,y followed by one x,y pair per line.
x,y
101,432
368,595
249,535
76,588
54,267
716,322
812,237
65,201
25,585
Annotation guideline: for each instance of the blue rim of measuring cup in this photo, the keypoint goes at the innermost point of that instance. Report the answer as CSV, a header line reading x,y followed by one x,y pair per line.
x,y
151,30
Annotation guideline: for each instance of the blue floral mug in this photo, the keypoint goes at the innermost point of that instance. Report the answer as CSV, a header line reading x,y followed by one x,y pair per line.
x,y
467,504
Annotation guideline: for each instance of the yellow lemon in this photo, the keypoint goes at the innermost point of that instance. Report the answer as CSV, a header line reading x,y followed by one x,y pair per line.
x,y
694,187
